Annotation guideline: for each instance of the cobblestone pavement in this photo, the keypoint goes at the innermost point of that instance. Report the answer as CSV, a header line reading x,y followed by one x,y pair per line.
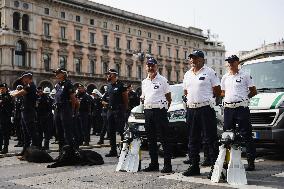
x,y
18,174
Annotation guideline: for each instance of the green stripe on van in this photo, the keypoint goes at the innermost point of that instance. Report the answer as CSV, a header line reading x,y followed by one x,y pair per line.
x,y
276,101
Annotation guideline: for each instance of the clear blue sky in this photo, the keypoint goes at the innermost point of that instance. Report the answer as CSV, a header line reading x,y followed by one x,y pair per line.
x,y
240,24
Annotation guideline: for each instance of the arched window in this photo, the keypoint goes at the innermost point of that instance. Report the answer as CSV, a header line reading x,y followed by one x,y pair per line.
x,y
46,62
139,72
128,71
25,22
92,67
169,74
117,67
20,54
62,62
105,67
77,63
16,21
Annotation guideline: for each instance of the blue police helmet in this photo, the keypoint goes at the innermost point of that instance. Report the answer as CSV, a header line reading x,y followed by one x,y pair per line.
x,y
112,71
196,53
60,70
152,61
4,85
27,73
232,58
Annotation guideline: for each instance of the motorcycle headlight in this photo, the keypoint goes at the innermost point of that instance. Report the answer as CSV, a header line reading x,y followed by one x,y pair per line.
x,y
178,114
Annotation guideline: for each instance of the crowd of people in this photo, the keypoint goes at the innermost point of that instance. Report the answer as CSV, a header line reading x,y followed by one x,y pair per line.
x,y
68,114
35,115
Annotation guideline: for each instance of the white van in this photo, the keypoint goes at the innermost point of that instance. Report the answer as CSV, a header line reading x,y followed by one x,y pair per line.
x,y
267,107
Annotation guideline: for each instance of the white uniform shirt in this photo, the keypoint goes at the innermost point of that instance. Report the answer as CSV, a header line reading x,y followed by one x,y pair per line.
x,y
153,91
236,86
199,86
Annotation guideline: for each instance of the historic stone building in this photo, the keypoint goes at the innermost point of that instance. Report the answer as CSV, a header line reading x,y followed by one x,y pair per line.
x,y
215,56
266,50
87,38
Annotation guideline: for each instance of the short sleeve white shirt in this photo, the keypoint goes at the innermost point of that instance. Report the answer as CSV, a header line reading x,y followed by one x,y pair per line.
x,y
236,86
153,91
200,85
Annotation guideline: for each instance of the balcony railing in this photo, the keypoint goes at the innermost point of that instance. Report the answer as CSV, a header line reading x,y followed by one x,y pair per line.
x,y
177,60
169,58
105,48
129,52
92,46
47,38
78,43
117,50
63,41
160,57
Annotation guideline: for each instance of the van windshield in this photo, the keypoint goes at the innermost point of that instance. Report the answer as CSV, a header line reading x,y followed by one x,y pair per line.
x,y
176,93
268,74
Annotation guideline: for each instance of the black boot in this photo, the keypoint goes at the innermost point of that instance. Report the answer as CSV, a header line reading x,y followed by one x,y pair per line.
x,y
86,144
210,173
5,150
193,170
19,144
22,152
206,162
167,169
188,161
112,153
100,142
46,145
152,167
251,166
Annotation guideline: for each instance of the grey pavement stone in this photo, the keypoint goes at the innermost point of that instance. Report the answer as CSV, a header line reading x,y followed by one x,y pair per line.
x,y
19,174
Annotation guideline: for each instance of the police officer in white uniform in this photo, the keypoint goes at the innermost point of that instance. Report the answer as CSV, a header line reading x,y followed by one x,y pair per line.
x,y
157,98
200,85
237,87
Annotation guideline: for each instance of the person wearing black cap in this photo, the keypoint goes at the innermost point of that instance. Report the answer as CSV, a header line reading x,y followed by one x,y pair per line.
x,y
18,103
85,107
117,106
65,105
237,88
44,116
156,97
97,120
133,99
200,85
105,100
28,113
6,108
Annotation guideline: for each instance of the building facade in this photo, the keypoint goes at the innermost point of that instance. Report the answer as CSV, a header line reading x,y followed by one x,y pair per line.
x,y
87,38
215,56
266,50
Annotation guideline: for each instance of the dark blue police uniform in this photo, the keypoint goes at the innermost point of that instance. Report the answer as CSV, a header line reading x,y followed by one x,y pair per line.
x,y
105,120
17,120
64,112
84,115
6,107
45,119
28,115
116,112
